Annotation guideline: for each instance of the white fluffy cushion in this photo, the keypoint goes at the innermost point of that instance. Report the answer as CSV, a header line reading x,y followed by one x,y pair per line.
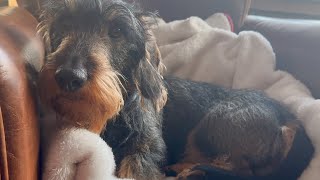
x,y
77,154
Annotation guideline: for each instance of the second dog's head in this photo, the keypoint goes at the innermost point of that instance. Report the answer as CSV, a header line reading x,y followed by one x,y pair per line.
x,y
97,52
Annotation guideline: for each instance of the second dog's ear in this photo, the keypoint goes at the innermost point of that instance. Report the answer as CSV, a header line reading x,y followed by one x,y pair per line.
x,y
148,77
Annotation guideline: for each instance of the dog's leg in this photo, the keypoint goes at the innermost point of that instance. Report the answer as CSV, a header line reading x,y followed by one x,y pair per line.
x,y
129,167
180,167
141,152
223,162
220,167
137,167
185,170
189,173
194,158
143,158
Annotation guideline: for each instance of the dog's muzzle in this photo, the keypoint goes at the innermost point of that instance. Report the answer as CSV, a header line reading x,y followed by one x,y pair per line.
x,y
69,79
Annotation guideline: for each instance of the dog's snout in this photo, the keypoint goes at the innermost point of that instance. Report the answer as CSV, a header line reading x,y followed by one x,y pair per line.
x,y
70,80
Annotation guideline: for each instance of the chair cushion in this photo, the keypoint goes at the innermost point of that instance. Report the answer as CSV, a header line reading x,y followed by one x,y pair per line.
x,y
180,9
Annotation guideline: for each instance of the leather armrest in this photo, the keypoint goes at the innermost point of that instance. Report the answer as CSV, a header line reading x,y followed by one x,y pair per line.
x,y
181,9
3,151
19,45
296,44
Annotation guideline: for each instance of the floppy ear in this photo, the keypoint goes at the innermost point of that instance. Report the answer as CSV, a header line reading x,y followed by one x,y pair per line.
x,y
148,77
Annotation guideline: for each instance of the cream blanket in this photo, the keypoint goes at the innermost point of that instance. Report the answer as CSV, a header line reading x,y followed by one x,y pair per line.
x,y
208,51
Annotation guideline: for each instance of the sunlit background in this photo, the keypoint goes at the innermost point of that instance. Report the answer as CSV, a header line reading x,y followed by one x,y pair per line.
x,y
8,2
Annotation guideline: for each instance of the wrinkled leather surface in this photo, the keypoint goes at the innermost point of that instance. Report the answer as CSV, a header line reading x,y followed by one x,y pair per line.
x,y
296,44
181,9
19,44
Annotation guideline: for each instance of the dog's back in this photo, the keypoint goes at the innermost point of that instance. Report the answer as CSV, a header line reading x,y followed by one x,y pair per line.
x,y
238,130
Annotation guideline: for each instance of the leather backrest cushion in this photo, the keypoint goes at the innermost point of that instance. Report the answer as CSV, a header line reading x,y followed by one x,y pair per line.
x,y
296,45
181,9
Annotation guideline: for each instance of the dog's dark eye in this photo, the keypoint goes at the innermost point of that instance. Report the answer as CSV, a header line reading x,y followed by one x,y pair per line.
x,y
115,32
55,42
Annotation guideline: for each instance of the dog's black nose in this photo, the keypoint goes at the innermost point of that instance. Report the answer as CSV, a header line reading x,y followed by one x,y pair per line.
x,y
70,79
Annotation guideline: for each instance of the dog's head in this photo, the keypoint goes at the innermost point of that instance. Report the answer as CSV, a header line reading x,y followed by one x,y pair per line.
x,y
98,51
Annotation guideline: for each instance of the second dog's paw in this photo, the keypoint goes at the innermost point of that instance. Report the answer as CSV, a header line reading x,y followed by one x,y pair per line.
x,y
169,171
189,174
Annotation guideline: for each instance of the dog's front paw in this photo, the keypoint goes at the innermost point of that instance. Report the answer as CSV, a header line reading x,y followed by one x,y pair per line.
x,y
189,174
169,171
126,170
137,167
184,171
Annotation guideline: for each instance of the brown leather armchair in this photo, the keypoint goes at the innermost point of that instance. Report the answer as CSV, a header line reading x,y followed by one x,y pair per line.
x,y
19,131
